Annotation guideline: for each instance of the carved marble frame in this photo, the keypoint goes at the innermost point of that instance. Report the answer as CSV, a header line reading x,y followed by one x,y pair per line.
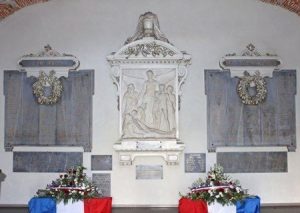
x,y
149,54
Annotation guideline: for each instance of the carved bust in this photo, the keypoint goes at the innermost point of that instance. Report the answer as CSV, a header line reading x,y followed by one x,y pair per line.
x,y
148,26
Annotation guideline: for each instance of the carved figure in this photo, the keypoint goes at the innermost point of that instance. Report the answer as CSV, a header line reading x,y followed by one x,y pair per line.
x,y
148,26
149,112
150,87
163,99
130,99
171,107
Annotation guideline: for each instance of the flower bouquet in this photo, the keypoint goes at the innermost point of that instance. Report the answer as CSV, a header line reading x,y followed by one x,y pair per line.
x,y
73,185
217,187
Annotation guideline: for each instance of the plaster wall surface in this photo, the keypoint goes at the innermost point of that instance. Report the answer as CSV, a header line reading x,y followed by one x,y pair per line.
x,y
207,30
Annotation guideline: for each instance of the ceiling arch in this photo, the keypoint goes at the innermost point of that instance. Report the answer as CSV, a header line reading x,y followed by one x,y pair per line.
x,y
8,7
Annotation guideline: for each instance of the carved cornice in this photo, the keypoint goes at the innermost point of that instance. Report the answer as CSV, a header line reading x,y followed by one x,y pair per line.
x,y
250,60
49,58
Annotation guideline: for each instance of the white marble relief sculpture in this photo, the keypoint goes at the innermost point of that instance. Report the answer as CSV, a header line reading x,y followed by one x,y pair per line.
x,y
149,73
148,104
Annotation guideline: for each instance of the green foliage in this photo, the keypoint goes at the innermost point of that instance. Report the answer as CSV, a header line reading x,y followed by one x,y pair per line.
x,y
217,187
73,185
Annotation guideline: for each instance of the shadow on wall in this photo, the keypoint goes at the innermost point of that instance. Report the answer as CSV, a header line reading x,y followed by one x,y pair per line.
x,y
2,178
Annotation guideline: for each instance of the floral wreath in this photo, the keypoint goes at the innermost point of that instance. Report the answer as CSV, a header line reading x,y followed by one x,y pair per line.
x,y
252,81
39,88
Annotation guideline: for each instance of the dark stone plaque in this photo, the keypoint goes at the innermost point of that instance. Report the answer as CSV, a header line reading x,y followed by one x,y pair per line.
x,y
102,162
66,123
253,162
232,123
251,62
47,63
103,182
45,161
194,162
145,172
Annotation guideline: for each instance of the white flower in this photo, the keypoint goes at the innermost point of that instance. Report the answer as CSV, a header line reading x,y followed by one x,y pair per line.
x,y
221,194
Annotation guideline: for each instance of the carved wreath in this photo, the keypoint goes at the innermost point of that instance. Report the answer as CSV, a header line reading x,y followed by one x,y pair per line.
x,y
51,81
256,81
148,49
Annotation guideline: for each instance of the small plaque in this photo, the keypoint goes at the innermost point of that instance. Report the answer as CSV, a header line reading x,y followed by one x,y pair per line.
x,y
103,182
45,161
148,145
194,162
102,162
146,172
252,162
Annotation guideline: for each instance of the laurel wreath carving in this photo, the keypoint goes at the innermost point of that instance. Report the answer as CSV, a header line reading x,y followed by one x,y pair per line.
x,y
248,81
43,81
148,49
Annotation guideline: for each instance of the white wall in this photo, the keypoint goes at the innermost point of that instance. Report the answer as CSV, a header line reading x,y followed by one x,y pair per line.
x,y
205,29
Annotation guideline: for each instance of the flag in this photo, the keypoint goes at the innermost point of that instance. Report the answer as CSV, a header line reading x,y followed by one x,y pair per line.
x,y
49,205
248,205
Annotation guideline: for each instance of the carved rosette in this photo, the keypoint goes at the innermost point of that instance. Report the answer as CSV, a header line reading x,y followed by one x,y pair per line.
x,y
53,83
257,83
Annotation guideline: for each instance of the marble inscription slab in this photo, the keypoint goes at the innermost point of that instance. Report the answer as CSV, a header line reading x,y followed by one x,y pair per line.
x,y
148,145
103,182
253,162
232,123
45,161
194,162
145,172
66,123
102,162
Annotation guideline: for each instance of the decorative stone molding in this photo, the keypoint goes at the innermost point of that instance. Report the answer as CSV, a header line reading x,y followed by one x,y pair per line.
x,y
250,60
128,151
48,60
149,73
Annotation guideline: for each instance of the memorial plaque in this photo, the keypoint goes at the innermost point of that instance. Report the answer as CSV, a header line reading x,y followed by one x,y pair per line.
x,y
253,162
102,162
148,145
145,172
194,162
45,161
232,123
66,123
103,182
